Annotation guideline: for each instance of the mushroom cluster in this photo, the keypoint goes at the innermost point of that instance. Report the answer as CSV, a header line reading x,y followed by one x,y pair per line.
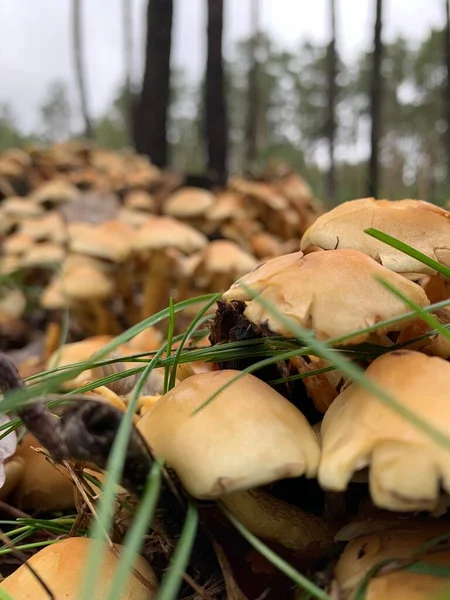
x,y
306,456
111,238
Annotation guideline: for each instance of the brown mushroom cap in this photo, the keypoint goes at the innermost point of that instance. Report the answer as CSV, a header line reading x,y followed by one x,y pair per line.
x,y
407,466
88,283
56,191
17,206
423,226
164,232
17,244
41,487
110,240
139,200
62,565
248,436
50,226
188,202
41,255
308,289
364,552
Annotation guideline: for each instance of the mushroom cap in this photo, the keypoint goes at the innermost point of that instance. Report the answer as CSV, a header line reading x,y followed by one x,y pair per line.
x,y
54,296
422,225
17,243
159,233
264,244
43,255
88,283
228,205
261,192
225,256
111,240
358,430
188,202
365,551
62,564
56,191
13,303
308,289
248,436
42,487
134,218
17,206
50,226
139,200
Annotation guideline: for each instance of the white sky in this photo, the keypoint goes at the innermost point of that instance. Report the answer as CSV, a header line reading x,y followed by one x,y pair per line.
x,y
36,43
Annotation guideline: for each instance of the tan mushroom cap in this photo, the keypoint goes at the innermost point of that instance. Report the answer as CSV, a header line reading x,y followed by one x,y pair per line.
x,y
50,226
54,297
134,218
17,206
228,205
56,191
17,244
42,487
139,200
225,256
62,566
262,192
13,303
159,233
365,551
423,226
308,289
44,254
407,467
86,282
110,240
248,436
188,202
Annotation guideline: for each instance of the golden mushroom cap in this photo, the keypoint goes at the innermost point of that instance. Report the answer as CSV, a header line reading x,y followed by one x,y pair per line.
x,y
62,566
110,240
44,254
56,191
248,436
17,244
189,202
422,225
333,293
407,467
159,233
49,226
17,206
87,283
364,552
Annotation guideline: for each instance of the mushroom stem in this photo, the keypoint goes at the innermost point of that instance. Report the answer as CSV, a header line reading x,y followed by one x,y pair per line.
x,y
277,521
156,284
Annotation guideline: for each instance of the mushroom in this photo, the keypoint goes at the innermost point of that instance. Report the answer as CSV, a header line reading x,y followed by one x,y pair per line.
x,y
423,226
248,436
139,200
41,487
265,245
219,264
333,293
50,227
191,205
62,565
19,207
399,545
407,466
55,192
16,244
155,241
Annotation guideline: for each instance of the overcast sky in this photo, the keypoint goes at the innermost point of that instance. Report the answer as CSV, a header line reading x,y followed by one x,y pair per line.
x,y
36,46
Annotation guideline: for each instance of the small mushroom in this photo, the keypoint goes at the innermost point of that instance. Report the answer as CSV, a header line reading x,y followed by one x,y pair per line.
x,y
407,467
62,566
190,205
333,293
423,226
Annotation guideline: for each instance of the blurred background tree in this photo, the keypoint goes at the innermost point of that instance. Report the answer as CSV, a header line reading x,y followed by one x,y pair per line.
x,y
378,122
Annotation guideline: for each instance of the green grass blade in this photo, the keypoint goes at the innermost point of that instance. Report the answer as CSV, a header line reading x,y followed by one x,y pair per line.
x,y
198,319
167,369
112,476
172,580
430,320
300,580
135,535
407,249
5,596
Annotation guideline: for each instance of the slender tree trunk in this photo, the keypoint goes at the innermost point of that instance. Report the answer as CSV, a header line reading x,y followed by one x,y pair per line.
x,y
128,59
332,94
79,73
447,90
375,104
150,126
215,106
251,133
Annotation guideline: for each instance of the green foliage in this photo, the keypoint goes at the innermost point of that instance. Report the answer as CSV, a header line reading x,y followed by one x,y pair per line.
x,y
55,113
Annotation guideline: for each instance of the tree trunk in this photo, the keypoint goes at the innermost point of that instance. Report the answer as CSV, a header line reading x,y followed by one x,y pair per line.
x,y
79,73
215,106
447,90
375,104
331,117
251,133
150,126
128,60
